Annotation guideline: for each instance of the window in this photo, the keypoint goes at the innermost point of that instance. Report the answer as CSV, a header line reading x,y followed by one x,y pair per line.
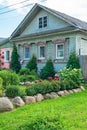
x,y
42,52
27,52
7,55
59,51
43,22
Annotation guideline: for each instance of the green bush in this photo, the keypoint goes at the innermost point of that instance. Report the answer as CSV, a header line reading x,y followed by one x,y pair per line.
x,y
73,61
9,78
12,91
22,91
71,78
15,63
30,78
48,70
43,87
24,71
32,64
1,82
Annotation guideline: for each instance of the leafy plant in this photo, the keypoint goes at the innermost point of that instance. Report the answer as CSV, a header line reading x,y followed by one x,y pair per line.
x,y
15,63
24,71
73,61
13,91
32,64
48,70
9,78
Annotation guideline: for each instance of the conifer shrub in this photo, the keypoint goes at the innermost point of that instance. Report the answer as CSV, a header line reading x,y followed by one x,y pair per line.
x,y
73,61
32,64
48,70
15,63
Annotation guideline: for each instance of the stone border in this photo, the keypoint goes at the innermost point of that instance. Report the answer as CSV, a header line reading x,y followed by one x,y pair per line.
x,y
7,104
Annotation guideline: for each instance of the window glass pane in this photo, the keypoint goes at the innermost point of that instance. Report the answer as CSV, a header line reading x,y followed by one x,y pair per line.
x,y
42,51
27,52
40,22
45,21
7,55
60,51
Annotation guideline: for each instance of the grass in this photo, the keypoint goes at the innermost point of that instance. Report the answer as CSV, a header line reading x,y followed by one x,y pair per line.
x,y
68,113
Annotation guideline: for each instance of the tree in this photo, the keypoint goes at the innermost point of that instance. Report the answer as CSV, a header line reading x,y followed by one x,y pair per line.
x,y
15,63
32,64
73,61
48,70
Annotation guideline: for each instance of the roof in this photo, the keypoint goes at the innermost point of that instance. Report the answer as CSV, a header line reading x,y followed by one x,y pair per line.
x,y
81,25
3,40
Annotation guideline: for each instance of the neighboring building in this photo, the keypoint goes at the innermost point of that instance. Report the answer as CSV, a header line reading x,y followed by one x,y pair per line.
x,y
49,34
5,53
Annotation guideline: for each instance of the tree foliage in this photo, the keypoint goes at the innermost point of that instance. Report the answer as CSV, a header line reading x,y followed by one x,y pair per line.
x,y
15,63
48,70
73,61
32,64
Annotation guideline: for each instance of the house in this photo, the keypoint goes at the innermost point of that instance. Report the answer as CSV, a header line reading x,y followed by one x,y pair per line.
x,y
5,52
49,34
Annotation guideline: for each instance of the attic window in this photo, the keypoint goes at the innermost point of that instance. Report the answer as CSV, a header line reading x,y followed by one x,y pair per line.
x,y
43,22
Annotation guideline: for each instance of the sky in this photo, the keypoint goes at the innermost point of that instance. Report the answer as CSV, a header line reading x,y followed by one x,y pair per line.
x,y
12,13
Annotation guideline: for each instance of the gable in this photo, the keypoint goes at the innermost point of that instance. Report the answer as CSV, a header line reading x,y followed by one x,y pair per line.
x,y
52,23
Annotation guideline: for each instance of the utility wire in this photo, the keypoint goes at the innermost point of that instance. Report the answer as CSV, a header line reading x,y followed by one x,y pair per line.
x,y
20,7
14,4
16,9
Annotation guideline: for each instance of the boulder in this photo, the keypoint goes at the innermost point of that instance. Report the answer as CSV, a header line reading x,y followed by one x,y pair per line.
x,y
29,99
75,90
5,104
66,92
54,95
18,102
39,97
82,88
47,96
61,93
70,91
27,83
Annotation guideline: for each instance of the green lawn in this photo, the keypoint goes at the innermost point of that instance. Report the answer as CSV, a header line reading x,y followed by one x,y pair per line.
x,y
69,113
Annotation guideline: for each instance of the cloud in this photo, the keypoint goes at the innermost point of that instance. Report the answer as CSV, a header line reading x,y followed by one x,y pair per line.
x,y
75,8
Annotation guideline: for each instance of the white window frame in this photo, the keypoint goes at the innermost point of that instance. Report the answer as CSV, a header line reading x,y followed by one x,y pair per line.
x,y
43,22
57,50
6,55
44,52
25,52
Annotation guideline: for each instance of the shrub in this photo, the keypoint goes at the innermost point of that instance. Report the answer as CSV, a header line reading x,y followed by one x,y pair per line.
x,y
70,77
9,78
22,91
24,71
43,87
48,70
12,91
73,61
15,63
32,64
30,78
1,81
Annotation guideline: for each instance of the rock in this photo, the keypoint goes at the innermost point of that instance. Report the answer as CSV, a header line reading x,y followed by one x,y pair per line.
x,y
27,83
54,95
75,90
47,96
70,91
29,99
39,97
82,88
61,93
21,83
66,92
5,104
79,89
18,102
